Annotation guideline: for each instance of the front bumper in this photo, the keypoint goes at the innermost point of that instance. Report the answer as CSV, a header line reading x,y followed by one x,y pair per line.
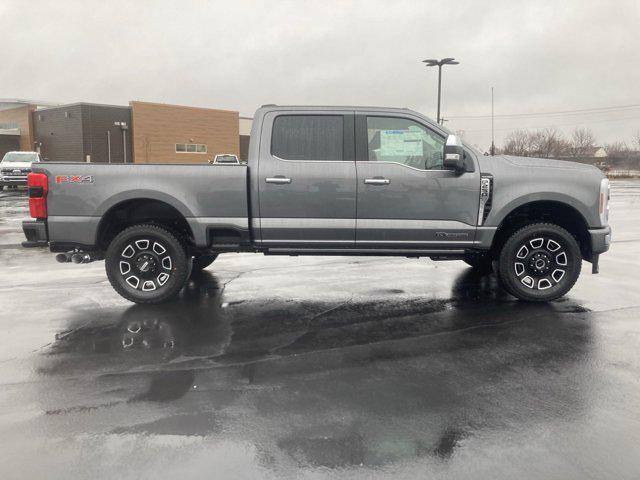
x,y
600,239
36,233
13,180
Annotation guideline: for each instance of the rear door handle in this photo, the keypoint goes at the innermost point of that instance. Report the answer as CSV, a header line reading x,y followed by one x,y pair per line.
x,y
279,180
377,181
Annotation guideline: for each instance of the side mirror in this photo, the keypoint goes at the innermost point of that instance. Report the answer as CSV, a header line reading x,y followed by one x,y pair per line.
x,y
453,154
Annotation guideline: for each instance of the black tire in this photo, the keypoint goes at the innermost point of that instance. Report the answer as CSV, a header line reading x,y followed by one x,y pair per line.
x,y
200,262
147,264
482,262
540,262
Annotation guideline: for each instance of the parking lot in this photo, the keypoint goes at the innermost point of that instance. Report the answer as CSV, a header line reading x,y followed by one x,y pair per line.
x,y
319,367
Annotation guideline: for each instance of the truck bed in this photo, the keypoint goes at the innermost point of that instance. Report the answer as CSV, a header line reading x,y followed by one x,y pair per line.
x,y
81,194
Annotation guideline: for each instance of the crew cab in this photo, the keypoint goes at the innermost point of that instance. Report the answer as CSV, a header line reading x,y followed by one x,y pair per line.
x,y
15,166
328,181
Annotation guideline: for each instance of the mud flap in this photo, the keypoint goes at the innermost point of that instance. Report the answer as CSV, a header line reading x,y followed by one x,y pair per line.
x,y
594,263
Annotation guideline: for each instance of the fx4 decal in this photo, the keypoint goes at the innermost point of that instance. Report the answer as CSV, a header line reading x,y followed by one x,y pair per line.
x,y
74,179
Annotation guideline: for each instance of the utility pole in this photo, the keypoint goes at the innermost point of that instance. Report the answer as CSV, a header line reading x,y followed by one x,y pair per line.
x,y
493,145
439,63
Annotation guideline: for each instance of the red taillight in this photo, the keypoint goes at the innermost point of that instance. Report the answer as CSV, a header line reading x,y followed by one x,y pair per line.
x,y
38,188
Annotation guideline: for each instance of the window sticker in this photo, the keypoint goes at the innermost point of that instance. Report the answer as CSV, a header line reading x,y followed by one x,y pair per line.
x,y
397,143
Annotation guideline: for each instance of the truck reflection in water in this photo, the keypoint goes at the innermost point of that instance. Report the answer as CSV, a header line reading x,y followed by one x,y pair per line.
x,y
327,384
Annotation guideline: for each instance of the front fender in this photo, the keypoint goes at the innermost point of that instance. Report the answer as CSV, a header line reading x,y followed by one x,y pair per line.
x,y
502,208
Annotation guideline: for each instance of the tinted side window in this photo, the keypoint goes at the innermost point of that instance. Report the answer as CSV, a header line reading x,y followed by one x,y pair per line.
x,y
404,141
308,137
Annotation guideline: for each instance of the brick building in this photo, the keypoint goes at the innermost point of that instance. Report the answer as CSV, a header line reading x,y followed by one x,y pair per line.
x,y
83,132
176,134
141,132
16,124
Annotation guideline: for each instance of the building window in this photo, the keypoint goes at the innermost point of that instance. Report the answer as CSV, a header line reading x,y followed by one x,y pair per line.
x,y
191,148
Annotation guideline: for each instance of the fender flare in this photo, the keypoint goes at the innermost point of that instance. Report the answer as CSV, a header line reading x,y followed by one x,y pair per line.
x,y
554,197
129,195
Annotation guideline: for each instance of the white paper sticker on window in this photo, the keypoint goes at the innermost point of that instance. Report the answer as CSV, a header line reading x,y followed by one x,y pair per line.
x,y
396,143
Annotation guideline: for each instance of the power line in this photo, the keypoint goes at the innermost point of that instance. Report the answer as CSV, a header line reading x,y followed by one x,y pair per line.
x,y
584,111
533,127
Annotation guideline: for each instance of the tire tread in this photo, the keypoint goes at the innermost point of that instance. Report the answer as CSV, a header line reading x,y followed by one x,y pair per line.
x,y
166,295
504,265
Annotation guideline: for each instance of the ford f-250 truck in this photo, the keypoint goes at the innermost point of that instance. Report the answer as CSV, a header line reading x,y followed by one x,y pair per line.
x,y
328,181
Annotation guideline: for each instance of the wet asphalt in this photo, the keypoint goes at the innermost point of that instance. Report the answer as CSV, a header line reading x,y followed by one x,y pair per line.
x,y
319,367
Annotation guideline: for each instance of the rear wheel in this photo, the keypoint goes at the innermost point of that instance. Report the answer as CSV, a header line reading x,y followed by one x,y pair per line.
x,y
147,264
540,262
200,262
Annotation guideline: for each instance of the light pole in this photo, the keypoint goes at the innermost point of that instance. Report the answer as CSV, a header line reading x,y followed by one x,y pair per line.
x,y
439,63
493,145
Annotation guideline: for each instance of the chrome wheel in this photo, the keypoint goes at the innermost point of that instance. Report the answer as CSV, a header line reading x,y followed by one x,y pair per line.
x,y
145,264
540,263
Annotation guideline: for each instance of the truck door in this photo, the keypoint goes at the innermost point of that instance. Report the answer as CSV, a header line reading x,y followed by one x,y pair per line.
x,y
307,179
405,198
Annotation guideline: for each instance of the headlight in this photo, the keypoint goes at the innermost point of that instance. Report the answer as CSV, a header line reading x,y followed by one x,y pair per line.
x,y
605,196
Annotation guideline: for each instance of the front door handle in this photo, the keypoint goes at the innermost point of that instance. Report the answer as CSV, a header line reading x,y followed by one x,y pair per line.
x,y
377,181
279,180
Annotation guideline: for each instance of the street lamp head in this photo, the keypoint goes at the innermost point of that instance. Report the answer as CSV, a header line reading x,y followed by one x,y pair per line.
x,y
432,62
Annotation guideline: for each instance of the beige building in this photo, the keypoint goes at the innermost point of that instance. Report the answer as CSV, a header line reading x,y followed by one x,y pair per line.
x,y
16,124
143,132
177,134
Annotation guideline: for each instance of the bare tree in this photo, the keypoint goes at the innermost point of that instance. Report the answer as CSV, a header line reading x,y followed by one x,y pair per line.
x,y
582,141
550,143
618,154
617,149
517,143
636,140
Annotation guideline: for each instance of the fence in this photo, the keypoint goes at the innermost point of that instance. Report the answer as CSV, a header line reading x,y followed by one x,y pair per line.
x,y
620,173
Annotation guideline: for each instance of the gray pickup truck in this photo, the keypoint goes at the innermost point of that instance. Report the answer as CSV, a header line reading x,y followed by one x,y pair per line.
x,y
328,181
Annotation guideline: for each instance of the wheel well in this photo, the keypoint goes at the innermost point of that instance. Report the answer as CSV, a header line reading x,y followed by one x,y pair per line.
x,y
557,213
141,210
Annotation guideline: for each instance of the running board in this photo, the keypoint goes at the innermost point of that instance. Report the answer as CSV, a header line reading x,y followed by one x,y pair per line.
x,y
379,252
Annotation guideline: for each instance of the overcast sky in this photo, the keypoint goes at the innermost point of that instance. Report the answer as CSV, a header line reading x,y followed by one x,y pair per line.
x,y
540,57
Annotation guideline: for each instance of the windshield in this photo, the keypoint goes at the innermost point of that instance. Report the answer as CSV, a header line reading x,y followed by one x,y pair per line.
x,y
20,157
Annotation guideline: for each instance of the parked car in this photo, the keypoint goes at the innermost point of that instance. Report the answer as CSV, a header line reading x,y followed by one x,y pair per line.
x,y
15,166
328,181
227,158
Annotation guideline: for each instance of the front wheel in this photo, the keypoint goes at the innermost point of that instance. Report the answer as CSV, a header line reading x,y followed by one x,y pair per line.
x,y
147,264
540,262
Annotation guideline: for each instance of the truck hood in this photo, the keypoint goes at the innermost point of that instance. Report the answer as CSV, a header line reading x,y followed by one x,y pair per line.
x,y
546,163
15,165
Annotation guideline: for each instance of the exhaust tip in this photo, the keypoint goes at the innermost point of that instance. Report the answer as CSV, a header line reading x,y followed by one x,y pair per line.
x,y
63,258
77,258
